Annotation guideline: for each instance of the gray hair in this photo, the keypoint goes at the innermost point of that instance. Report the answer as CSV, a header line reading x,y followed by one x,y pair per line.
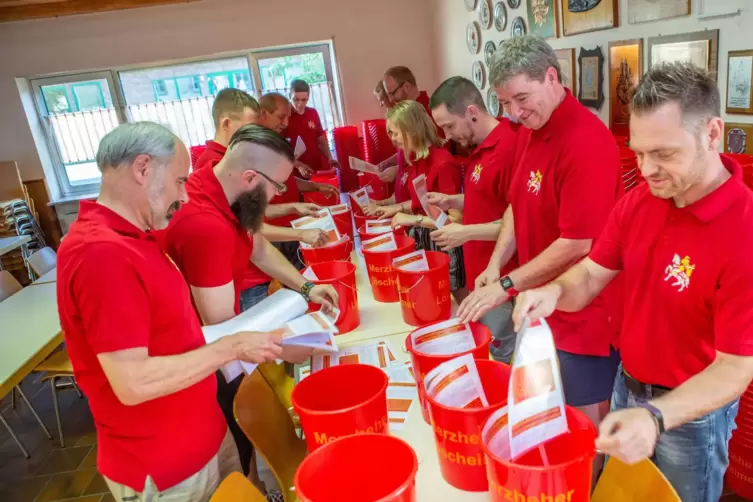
x,y
692,88
529,55
123,144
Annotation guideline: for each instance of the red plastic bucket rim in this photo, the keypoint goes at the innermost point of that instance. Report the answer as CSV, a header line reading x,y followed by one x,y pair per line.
x,y
412,351
412,243
341,410
445,262
344,241
350,266
469,411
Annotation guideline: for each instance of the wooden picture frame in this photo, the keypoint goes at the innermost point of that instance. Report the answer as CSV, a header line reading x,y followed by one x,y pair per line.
x,y
569,77
688,46
642,11
543,18
740,82
598,15
591,85
625,70
738,138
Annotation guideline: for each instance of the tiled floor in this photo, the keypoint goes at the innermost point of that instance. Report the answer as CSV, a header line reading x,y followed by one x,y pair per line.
x,y
53,473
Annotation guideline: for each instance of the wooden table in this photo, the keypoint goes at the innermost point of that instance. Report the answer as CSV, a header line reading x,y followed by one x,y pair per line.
x,y
49,277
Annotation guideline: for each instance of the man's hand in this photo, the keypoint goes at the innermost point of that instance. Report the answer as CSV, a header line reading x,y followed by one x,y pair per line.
x,y
487,277
535,304
259,347
403,220
328,190
306,208
384,212
441,200
388,175
296,354
482,301
334,164
314,237
305,170
324,295
629,435
450,236
371,209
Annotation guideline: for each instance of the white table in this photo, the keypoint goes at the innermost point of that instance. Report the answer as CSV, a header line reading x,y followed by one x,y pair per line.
x,y
49,277
8,244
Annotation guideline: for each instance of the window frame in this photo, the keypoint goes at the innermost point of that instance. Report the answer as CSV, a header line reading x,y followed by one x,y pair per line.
x,y
65,91
74,86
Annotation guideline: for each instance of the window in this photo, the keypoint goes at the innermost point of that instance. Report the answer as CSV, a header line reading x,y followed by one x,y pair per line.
x,y
235,79
56,98
189,87
88,96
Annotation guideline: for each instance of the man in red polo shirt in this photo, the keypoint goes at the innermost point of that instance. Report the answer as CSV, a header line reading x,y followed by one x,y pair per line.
x,y
683,240
304,123
459,109
566,183
132,334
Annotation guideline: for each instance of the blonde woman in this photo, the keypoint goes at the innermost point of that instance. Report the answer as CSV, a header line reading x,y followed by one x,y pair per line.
x,y
412,130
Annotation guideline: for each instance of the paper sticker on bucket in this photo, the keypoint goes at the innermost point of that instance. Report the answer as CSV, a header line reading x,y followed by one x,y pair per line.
x,y
456,383
414,262
445,338
383,242
322,221
361,197
436,214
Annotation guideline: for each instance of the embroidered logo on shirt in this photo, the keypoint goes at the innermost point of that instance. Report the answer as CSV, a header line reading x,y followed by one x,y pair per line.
x,y
312,125
680,270
476,175
534,183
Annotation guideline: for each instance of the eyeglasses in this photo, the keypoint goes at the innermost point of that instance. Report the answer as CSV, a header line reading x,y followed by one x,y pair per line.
x,y
280,187
391,94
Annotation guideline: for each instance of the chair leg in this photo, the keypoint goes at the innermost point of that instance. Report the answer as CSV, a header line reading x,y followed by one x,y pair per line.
x,y
15,438
53,386
34,412
75,386
13,398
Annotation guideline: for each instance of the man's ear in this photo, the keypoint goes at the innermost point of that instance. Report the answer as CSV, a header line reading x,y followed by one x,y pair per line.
x,y
140,168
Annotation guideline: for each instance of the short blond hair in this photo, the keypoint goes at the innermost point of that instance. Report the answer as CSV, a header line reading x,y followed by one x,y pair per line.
x,y
417,128
401,74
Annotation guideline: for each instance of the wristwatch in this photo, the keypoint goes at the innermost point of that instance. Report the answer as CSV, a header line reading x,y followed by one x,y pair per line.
x,y
508,286
656,414
306,290
419,219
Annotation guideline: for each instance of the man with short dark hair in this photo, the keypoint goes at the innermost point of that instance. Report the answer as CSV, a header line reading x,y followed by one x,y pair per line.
x,y
304,123
680,239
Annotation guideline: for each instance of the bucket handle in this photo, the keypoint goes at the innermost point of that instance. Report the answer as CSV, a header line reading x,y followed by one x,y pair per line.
x,y
416,284
348,247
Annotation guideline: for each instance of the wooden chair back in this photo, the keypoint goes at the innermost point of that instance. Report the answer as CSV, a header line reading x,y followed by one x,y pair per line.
x,y
282,384
236,488
8,285
639,482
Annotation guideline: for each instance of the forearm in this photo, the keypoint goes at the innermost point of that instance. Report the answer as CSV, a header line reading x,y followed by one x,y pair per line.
x,y
392,161
306,185
385,202
505,248
278,210
270,261
457,201
281,234
324,147
575,288
720,383
483,231
550,263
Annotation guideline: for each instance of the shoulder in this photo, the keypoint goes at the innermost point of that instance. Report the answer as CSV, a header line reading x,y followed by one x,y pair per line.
x,y
311,112
195,221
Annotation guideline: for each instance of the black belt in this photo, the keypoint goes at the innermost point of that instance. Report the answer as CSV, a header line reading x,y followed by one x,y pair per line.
x,y
643,390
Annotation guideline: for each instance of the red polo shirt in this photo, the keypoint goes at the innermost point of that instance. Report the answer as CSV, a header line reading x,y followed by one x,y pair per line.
x,y
402,189
688,286
307,126
118,290
488,173
211,156
567,182
442,175
292,194
207,241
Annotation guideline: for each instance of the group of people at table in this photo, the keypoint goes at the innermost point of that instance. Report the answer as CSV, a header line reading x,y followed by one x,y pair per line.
x,y
539,227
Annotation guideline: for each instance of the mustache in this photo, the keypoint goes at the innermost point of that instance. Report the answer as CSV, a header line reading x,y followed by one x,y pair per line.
x,y
249,208
172,209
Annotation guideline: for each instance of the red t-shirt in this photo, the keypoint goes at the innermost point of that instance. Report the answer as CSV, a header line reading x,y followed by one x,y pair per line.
x,y
211,156
402,190
307,126
118,290
688,288
292,194
488,173
207,241
442,175
567,182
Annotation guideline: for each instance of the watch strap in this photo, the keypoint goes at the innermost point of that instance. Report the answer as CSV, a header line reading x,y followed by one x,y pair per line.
x,y
656,413
306,290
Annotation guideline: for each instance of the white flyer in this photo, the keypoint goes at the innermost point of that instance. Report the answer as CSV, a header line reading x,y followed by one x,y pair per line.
x,y
456,383
309,274
432,211
378,354
357,164
361,197
300,148
378,226
323,221
338,209
443,338
401,394
415,261
495,434
536,399
382,242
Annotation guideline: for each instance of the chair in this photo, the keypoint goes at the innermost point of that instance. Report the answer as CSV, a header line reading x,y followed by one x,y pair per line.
x,y
8,285
236,488
43,261
266,423
58,366
639,482
281,383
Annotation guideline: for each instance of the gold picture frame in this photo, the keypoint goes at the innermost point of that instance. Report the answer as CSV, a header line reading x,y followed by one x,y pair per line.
x,y
701,47
625,70
740,82
584,16
569,77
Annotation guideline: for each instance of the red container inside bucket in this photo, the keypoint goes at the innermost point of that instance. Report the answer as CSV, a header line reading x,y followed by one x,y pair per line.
x,y
567,475
336,252
457,431
318,197
424,363
381,274
364,236
344,223
341,275
366,468
379,189
341,400
360,218
425,296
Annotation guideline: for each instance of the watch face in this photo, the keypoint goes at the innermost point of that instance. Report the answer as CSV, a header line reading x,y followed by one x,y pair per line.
x,y
506,283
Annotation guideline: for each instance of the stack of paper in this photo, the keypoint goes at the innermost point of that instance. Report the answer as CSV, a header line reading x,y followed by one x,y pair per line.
x,y
401,394
383,242
444,338
416,261
436,214
378,354
323,221
456,383
378,226
363,166
361,197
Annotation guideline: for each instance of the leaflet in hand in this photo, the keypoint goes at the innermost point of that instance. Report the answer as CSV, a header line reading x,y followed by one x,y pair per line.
x,y
401,394
315,330
361,196
300,148
379,354
338,209
432,211
456,383
536,399
357,164
496,435
415,261
444,338
309,274
323,221
383,242
378,226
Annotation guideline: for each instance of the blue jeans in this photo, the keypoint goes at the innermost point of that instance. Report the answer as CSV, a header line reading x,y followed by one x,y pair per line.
x,y
693,456
253,295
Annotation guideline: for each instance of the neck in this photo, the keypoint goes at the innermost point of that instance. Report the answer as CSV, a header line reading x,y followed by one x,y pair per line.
x,y
484,127
112,196
226,183
299,112
559,93
218,138
413,93
713,177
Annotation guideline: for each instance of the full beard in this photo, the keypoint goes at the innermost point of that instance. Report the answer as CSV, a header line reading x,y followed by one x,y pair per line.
x,y
249,208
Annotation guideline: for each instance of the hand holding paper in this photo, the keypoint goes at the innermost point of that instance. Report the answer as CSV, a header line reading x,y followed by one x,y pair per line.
x,y
535,304
314,237
323,221
431,210
258,347
363,166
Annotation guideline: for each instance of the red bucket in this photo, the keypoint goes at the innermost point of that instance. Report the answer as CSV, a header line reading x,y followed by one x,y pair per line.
x,y
424,363
739,475
567,475
361,219
379,189
344,223
457,431
336,252
365,467
381,274
364,236
341,400
318,197
425,296
341,275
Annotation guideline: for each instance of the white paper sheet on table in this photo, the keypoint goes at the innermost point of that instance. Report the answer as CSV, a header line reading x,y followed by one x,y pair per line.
x,y
444,338
432,211
378,354
495,433
415,261
357,164
376,227
361,197
322,221
456,383
382,242
536,397
300,148
401,394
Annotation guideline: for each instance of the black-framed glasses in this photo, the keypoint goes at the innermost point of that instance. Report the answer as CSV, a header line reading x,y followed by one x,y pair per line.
x,y
280,187
391,94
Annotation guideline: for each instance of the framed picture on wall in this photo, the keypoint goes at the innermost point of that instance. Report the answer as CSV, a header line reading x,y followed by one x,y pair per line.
x,y
640,11
738,138
701,48
582,16
566,59
591,89
739,79
625,70
542,18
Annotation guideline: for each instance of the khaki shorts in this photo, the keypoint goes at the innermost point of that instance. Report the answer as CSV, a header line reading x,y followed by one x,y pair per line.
x,y
197,488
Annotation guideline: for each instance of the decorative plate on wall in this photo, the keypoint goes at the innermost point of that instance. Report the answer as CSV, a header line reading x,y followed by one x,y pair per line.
x,y
514,4
485,14
489,49
500,16
473,37
518,28
470,5
492,102
479,74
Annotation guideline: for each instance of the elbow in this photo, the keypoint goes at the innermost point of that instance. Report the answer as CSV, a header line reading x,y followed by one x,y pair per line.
x,y
129,394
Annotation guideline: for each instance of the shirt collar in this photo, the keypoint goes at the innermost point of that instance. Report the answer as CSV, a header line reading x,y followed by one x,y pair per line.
x,y
95,213
216,147
725,196
561,117
493,138
208,187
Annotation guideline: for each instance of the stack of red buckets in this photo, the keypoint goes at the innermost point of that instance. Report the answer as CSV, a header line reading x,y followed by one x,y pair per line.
x,y
347,145
631,176
377,147
739,477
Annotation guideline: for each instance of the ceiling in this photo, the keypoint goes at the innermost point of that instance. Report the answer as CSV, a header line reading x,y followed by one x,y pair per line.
x,y
18,10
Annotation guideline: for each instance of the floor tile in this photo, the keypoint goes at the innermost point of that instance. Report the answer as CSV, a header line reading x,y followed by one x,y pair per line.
x,y
67,459
25,490
87,439
90,462
97,485
66,485
108,498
